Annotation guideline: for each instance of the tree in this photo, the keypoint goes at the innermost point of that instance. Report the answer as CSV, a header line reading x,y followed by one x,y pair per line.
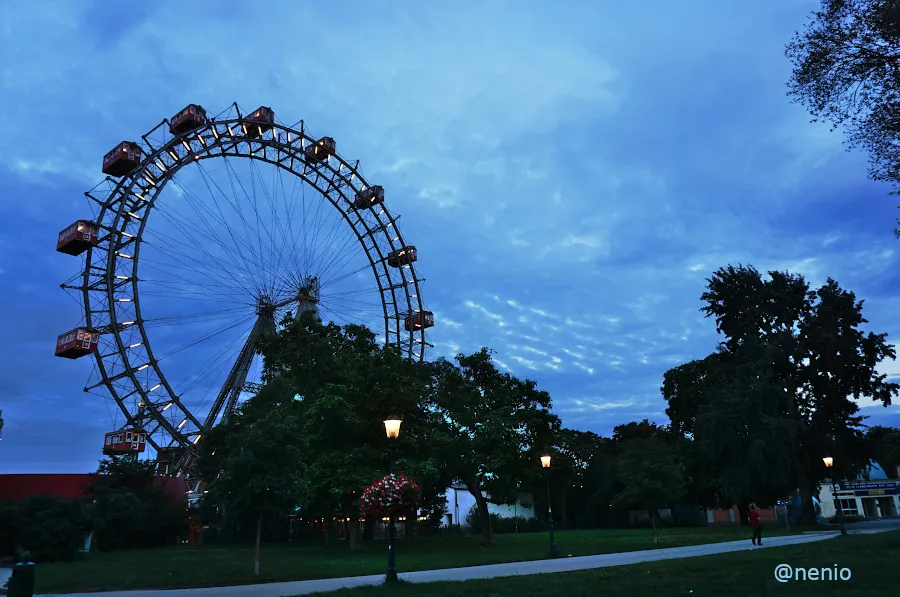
x,y
847,71
574,454
784,385
885,446
51,528
490,428
264,468
342,384
130,507
651,477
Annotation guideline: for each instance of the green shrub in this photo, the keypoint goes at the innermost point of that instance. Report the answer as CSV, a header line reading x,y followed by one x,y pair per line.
x,y
51,528
123,519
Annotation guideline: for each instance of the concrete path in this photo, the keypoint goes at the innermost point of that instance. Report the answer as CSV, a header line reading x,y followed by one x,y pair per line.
x,y
562,564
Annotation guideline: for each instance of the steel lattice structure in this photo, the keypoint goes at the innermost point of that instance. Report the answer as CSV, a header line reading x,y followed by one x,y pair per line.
x,y
110,286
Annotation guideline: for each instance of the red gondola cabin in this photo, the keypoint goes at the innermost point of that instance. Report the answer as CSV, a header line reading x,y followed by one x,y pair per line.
x,y
369,197
122,159
193,116
403,256
320,150
259,121
127,441
418,320
78,238
77,343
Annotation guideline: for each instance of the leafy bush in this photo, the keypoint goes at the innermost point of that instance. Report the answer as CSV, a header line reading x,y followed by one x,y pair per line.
x,y
123,519
130,509
51,528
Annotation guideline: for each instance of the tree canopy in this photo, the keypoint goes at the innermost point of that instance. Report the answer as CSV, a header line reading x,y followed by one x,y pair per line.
x,y
781,390
491,428
651,476
263,469
846,70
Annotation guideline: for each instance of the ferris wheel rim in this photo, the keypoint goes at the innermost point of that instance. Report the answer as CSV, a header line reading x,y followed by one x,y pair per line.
x,y
340,183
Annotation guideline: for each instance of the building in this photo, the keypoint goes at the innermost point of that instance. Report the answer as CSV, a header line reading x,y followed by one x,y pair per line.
x,y
17,487
873,495
460,501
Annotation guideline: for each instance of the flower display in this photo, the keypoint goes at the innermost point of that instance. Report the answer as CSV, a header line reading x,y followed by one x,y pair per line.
x,y
390,494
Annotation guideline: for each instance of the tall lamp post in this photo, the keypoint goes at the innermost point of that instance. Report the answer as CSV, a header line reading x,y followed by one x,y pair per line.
x,y
829,464
392,429
545,462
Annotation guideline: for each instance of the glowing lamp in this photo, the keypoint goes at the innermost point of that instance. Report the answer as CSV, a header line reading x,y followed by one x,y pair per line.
x,y
392,427
545,461
829,461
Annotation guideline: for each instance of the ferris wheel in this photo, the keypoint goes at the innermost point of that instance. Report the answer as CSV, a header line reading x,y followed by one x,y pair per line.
x,y
174,304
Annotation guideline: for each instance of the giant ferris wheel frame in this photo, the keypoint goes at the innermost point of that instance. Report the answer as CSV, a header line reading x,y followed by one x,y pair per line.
x,y
110,281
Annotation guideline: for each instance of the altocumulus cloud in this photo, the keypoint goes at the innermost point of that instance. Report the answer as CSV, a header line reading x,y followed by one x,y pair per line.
x,y
570,174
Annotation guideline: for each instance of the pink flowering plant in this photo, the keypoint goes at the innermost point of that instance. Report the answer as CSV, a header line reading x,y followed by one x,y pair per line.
x,y
388,495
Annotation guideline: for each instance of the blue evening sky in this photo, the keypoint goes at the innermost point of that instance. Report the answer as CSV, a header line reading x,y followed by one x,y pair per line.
x,y
570,172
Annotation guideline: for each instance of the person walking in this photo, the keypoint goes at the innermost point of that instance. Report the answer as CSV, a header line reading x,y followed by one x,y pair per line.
x,y
753,517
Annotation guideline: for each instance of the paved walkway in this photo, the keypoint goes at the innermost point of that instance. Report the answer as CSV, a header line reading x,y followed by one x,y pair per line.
x,y
563,564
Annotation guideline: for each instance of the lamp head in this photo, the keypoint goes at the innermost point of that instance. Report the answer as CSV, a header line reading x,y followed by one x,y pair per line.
x,y
829,461
545,461
392,427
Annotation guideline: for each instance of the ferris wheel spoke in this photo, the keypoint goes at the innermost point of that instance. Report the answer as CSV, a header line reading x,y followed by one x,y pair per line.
x,y
340,260
325,243
206,314
176,285
218,263
207,337
235,205
214,368
288,247
275,249
169,243
167,269
251,197
341,278
292,205
238,259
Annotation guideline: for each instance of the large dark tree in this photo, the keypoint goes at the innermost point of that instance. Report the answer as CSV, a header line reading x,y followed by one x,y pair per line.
x,y
651,476
340,384
491,427
263,469
130,507
782,390
847,72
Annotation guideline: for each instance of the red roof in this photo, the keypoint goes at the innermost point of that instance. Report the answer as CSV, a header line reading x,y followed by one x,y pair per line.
x,y
16,487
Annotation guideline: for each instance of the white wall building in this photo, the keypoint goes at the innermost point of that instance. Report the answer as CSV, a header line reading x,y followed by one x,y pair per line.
x,y
460,501
874,495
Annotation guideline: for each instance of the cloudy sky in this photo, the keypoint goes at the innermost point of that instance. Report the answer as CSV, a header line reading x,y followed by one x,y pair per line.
x,y
570,173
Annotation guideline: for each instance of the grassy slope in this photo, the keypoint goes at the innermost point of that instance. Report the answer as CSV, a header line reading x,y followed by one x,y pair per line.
x,y
197,567
872,560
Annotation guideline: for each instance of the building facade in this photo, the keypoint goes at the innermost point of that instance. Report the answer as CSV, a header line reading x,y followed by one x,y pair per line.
x,y
460,501
873,495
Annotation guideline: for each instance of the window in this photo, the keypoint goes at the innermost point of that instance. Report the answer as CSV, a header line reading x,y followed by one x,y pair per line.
x,y
848,507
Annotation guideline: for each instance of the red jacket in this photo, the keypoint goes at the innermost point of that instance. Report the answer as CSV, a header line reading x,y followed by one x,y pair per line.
x,y
754,518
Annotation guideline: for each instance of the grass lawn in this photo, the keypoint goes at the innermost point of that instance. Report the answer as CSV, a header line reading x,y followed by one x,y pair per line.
x,y
225,565
871,559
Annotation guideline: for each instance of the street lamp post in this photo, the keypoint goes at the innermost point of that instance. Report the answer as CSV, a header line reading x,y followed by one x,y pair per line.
x,y
392,429
545,462
829,464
